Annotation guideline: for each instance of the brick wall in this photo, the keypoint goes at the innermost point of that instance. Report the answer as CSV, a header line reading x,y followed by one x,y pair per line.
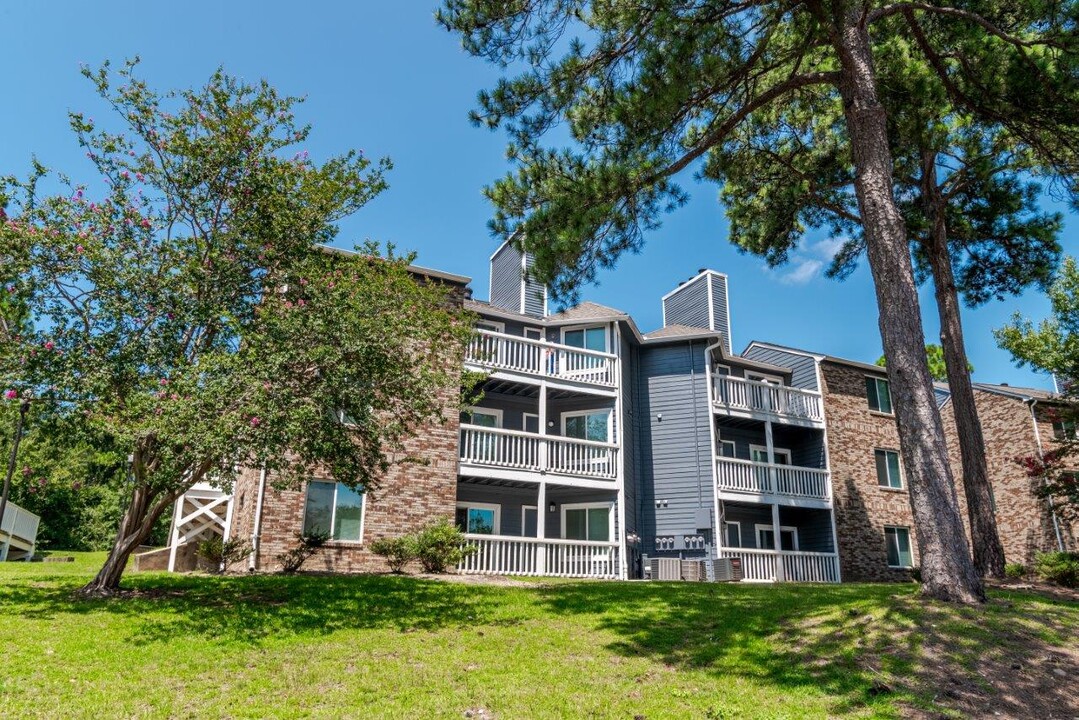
x,y
862,506
1023,521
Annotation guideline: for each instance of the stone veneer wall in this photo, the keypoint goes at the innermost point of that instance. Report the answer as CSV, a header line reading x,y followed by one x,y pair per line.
x,y
1024,522
862,506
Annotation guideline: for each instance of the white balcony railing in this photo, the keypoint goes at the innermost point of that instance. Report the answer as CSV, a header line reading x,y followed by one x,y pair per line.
x,y
755,396
505,555
499,351
785,565
516,450
735,475
18,523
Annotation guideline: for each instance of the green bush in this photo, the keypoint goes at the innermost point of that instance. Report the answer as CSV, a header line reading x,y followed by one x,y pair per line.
x,y
441,545
217,556
306,545
1061,568
398,551
1015,571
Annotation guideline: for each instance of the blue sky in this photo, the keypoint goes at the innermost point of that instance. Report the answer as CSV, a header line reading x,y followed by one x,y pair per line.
x,y
383,77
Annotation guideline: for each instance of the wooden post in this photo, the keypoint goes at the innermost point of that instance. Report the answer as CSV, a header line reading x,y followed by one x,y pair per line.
x,y
777,540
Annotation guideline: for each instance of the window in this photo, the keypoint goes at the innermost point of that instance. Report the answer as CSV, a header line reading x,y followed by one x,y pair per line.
x,y
530,422
478,518
759,453
484,417
490,326
529,521
587,425
766,539
732,533
587,521
888,474
1064,429
333,509
879,395
727,448
770,379
533,333
590,338
897,545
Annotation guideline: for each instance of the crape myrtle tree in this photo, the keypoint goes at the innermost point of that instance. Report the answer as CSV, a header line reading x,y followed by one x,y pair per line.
x,y
649,89
963,189
188,313
1052,346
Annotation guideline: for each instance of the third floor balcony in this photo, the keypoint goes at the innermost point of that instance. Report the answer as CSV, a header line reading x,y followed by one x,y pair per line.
x,y
763,400
513,355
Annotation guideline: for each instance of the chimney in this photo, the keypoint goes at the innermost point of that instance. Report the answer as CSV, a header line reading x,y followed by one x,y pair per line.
x,y
701,302
511,288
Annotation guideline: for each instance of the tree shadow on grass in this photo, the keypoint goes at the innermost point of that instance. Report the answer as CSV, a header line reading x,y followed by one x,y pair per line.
x,y
247,609
867,646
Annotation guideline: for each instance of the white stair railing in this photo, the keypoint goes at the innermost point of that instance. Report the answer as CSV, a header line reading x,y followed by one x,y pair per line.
x,y
797,566
505,555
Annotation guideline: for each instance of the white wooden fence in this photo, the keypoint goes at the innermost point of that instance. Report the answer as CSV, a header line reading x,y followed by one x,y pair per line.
x,y
794,566
496,447
505,555
754,395
499,351
737,475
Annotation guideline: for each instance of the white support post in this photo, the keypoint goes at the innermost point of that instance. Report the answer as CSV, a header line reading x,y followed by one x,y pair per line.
x,y
177,515
777,541
542,420
773,486
227,530
541,528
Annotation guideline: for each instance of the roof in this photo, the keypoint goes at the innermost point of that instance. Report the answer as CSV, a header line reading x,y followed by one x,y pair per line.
x,y
677,330
1021,393
414,269
588,311
821,356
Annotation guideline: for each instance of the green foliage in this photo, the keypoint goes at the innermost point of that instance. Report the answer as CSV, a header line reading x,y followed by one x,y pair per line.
x,y
218,555
1052,345
440,546
1061,568
1015,571
937,367
398,551
189,316
306,545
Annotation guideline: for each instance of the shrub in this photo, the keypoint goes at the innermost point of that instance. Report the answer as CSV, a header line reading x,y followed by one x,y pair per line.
x,y
217,556
1015,571
398,551
441,545
1061,568
306,545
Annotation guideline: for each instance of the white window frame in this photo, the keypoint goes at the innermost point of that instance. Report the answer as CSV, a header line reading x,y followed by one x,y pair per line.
x,y
765,378
589,506
466,504
779,541
733,444
721,366
888,383
585,413
910,544
524,422
470,410
726,533
524,510
603,326
333,512
538,331
775,451
499,327
899,461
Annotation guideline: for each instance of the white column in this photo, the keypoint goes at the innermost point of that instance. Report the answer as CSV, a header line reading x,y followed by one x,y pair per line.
x,y
773,486
542,459
177,513
541,528
777,540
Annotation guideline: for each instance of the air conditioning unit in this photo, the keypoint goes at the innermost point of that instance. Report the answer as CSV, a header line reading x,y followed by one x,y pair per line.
x,y
694,570
727,569
665,568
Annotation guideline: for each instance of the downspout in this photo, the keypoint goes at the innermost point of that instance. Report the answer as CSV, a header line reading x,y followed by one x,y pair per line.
x,y
256,528
718,531
1052,510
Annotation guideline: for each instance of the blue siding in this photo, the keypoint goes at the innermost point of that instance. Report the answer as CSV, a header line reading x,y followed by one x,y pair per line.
x,y
506,278
535,293
722,321
688,305
803,367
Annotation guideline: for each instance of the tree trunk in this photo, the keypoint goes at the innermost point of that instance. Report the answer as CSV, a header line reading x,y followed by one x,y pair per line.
x,y
138,522
946,567
988,552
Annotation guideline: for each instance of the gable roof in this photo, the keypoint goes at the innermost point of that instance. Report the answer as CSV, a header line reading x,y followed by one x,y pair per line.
x,y
588,310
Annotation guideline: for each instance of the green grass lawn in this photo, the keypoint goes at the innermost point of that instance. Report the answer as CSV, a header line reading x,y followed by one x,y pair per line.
x,y
399,647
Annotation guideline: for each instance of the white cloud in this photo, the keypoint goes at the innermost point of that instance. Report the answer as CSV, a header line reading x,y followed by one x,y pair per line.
x,y
828,247
804,270
808,261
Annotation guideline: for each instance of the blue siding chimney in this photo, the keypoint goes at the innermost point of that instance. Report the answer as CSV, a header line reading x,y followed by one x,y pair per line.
x,y
700,302
511,287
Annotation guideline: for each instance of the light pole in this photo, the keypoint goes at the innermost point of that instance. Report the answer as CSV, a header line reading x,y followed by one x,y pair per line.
x,y
23,408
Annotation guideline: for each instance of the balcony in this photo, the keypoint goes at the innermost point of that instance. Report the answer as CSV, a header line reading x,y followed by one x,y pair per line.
x,y
765,401
785,565
508,555
783,481
513,452
515,355
18,533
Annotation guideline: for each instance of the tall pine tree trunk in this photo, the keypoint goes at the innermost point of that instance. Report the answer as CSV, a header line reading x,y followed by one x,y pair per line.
x,y
946,568
988,552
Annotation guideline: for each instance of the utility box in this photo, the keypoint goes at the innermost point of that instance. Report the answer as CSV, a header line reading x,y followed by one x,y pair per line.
x,y
694,570
665,568
727,569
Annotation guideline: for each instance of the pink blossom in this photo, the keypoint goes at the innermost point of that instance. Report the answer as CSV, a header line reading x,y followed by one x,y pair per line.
x,y
11,394
49,345
164,381
139,177
255,422
301,302
266,385
145,223
79,249
125,174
